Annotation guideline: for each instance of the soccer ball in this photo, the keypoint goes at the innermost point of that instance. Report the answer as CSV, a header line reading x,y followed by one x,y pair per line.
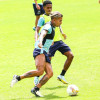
x,y
72,90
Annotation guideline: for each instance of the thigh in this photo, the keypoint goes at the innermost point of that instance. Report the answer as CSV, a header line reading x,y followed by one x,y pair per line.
x,y
36,11
40,61
64,48
42,10
48,68
68,53
53,48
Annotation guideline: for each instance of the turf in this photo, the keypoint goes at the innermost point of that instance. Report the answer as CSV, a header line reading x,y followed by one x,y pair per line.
x,y
81,23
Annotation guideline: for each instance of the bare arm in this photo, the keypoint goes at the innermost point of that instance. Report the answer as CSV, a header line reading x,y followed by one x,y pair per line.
x,y
43,34
37,6
36,32
64,35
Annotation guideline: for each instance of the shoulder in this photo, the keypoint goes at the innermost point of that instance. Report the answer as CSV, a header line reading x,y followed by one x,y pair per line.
x,y
47,25
41,18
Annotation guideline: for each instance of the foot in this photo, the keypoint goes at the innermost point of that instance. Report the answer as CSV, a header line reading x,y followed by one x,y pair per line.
x,y
36,80
34,28
62,79
36,92
14,80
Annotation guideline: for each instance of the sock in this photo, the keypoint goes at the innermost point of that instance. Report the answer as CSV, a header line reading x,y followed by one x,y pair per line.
x,y
63,72
18,78
36,88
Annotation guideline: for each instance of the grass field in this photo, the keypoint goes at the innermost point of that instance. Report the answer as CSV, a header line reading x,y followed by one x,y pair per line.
x,y
81,23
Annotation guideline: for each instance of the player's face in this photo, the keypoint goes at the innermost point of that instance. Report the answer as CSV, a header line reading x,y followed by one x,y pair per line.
x,y
48,8
58,22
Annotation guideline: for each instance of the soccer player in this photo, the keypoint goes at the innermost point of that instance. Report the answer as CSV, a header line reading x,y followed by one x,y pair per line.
x,y
38,9
41,57
47,5
58,43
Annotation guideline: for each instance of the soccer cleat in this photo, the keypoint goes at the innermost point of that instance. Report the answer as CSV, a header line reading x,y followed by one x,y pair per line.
x,y
62,79
36,80
14,80
34,28
36,92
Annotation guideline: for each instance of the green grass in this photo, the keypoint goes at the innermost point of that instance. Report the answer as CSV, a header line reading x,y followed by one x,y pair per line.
x,y
81,23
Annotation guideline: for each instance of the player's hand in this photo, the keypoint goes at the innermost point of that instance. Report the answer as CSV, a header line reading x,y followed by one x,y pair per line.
x,y
40,45
99,1
38,7
64,36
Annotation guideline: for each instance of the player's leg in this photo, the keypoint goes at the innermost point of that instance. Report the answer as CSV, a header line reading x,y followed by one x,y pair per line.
x,y
47,76
40,64
37,14
68,61
52,51
36,20
44,79
65,50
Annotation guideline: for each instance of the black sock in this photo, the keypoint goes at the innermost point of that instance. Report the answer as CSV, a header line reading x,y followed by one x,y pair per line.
x,y
36,88
63,72
18,78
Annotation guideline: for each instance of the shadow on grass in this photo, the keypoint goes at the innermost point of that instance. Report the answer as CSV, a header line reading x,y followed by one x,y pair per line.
x,y
23,98
46,97
52,96
57,87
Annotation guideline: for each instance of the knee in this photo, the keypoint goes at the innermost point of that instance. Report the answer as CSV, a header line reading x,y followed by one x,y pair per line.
x,y
70,56
40,72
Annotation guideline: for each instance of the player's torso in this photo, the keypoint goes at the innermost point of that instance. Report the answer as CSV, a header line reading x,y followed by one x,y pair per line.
x,y
58,35
46,18
48,39
57,29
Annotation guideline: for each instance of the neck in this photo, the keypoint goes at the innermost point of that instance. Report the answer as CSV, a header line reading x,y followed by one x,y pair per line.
x,y
47,14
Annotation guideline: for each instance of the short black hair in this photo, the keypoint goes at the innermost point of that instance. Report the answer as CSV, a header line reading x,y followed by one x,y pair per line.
x,y
46,2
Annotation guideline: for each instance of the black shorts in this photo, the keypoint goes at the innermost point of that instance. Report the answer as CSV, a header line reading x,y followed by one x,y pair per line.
x,y
60,46
38,12
37,52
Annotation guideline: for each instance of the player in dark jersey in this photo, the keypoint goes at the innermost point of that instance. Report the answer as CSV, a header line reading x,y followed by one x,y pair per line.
x,y
41,57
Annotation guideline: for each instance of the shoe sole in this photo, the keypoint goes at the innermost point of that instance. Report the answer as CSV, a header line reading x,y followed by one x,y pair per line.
x,y
61,80
35,94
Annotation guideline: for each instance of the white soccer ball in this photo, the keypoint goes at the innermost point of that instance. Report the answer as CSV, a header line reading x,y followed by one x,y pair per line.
x,y
72,90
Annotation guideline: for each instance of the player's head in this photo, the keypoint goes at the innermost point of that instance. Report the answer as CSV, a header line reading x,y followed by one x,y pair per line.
x,y
47,6
56,18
